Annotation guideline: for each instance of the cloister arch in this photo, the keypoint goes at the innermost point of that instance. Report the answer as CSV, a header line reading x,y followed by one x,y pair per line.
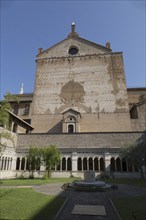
x,y
64,163
69,164
18,163
102,165
96,168
2,163
112,167
23,163
118,164
5,163
85,163
90,161
124,164
79,164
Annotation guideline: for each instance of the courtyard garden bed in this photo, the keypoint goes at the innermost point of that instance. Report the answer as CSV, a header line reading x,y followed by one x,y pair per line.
x,y
126,181
28,182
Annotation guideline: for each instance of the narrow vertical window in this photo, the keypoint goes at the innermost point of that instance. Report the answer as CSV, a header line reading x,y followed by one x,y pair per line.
x,y
134,113
26,110
16,107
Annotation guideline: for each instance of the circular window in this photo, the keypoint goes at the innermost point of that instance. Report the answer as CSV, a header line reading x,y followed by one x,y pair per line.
x,y
73,51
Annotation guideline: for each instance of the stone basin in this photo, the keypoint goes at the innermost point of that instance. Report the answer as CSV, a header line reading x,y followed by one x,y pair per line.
x,y
84,184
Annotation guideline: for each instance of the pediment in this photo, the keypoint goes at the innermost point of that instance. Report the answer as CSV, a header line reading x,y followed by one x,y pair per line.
x,y
71,112
84,47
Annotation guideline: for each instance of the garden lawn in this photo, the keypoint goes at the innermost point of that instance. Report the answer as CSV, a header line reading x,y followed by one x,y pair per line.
x,y
133,182
27,182
27,204
131,208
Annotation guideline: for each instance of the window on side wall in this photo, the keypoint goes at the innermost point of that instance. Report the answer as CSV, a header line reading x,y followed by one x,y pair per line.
x,y
26,109
134,113
16,108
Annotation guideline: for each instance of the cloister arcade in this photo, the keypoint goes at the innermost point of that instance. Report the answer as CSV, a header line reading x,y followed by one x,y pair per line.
x,y
6,163
98,164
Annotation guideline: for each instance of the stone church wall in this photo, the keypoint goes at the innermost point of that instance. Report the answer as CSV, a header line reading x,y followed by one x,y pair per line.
x,y
92,85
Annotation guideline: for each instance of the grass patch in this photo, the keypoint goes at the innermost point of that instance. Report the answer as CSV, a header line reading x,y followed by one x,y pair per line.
x,y
27,182
131,208
27,204
133,182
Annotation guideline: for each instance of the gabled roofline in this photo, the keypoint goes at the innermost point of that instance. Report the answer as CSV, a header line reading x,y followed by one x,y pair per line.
x,y
70,109
76,38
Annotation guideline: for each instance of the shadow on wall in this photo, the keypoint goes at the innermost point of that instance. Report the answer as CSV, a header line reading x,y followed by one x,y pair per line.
x,y
56,129
142,139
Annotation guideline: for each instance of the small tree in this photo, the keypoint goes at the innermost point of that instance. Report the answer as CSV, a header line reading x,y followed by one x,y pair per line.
x,y
33,161
136,152
4,106
4,119
51,157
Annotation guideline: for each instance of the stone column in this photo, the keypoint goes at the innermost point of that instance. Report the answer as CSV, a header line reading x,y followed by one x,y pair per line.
x,y
107,162
99,164
0,163
82,163
127,166
121,165
25,162
20,163
13,165
88,164
61,165
66,164
8,163
11,160
115,165
74,161
93,164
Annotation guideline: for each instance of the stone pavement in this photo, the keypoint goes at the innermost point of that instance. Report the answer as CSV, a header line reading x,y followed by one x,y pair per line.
x,y
89,198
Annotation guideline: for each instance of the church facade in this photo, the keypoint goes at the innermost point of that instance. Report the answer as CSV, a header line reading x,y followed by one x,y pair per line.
x,y
82,106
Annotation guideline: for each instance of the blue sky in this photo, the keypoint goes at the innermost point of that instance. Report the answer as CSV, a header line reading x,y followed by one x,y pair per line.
x,y
29,25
